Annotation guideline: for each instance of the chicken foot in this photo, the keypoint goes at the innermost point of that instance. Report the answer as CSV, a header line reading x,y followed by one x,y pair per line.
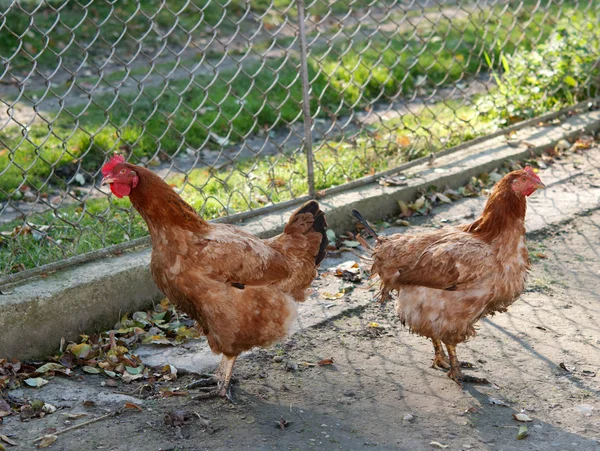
x,y
455,372
224,374
209,380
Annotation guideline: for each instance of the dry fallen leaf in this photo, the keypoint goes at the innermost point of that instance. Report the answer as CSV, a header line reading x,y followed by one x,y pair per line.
x,y
128,378
5,409
130,405
47,441
91,370
521,417
523,432
419,203
36,382
326,362
5,439
48,408
74,416
405,211
443,198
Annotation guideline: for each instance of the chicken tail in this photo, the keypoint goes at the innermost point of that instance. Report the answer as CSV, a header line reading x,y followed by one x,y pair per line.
x,y
309,218
365,223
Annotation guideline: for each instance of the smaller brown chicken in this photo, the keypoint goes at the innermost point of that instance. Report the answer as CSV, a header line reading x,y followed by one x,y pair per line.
x,y
450,278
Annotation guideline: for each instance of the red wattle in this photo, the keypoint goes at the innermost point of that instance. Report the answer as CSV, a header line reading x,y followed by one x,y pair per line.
x,y
120,189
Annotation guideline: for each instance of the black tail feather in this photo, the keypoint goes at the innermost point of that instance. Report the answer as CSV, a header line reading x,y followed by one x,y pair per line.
x,y
365,223
320,225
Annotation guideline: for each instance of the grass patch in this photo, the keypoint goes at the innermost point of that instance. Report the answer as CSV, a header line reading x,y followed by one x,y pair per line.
x,y
206,112
42,33
74,230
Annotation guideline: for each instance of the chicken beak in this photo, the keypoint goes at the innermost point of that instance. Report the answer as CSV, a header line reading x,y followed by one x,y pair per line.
x,y
106,181
540,185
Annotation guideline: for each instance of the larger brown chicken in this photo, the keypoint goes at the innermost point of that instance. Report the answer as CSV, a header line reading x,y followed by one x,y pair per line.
x,y
450,278
241,290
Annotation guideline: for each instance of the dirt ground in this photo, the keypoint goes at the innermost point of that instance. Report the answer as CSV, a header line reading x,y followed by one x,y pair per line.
x,y
542,358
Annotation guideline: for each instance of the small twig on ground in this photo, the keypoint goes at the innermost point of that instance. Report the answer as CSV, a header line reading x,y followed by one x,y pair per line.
x,y
80,425
206,422
298,413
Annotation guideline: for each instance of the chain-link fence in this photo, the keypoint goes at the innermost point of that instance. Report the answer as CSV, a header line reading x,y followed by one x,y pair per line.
x,y
245,105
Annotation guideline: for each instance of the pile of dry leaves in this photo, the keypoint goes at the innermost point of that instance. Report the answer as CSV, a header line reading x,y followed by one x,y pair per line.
x,y
109,354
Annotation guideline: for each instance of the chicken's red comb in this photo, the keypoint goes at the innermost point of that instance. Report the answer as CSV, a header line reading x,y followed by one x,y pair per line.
x,y
530,171
115,160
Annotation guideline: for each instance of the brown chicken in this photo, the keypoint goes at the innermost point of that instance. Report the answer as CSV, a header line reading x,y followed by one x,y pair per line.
x,y
241,290
448,279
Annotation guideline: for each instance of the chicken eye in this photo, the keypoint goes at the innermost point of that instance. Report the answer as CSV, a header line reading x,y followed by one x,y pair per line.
x,y
123,171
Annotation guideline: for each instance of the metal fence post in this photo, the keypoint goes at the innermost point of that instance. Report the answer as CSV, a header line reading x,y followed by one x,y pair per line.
x,y
306,100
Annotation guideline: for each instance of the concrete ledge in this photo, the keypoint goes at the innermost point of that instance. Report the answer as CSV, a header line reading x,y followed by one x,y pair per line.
x,y
38,312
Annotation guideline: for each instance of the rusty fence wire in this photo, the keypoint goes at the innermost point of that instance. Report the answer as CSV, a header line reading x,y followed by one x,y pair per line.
x,y
247,105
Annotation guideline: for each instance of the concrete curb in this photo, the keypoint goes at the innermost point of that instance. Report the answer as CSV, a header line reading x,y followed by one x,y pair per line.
x,y
38,312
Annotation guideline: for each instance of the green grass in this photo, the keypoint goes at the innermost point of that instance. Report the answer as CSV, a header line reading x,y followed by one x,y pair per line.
x,y
76,229
183,114
119,23
35,33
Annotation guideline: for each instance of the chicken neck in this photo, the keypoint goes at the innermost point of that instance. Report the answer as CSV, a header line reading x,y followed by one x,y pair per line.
x,y
161,207
504,211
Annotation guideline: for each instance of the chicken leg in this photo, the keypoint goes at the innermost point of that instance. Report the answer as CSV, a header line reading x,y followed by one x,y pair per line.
x,y
455,372
440,359
226,379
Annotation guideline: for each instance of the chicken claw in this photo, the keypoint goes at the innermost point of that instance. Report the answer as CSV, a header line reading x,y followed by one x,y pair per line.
x,y
204,382
225,392
222,379
466,378
219,392
442,363
456,374
474,379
